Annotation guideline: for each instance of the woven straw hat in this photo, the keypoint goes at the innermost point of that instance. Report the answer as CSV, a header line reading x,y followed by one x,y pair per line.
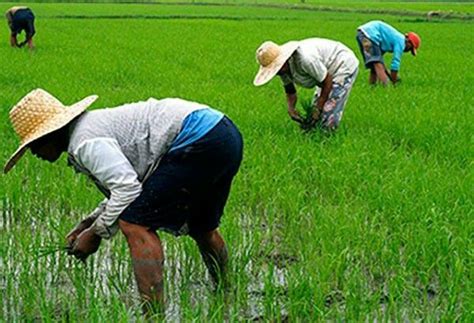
x,y
38,114
271,58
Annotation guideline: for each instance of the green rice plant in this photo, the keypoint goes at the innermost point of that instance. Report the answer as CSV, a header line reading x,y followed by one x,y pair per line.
x,y
306,109
372,223
44,251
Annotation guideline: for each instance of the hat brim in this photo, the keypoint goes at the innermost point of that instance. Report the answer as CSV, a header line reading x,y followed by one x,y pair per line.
x,y
266,73
71,112
413,51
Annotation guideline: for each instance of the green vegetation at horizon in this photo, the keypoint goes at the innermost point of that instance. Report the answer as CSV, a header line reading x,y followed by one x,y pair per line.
x,y
421,7
374,222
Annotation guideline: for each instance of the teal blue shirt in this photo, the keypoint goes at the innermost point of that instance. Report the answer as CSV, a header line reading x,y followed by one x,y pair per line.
x,y
387,38
195,126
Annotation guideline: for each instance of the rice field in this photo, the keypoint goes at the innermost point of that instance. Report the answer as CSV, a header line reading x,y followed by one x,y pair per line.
x,y
372,223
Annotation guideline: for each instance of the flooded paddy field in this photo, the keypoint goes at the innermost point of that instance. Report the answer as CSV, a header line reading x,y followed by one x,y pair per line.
x,y
372,223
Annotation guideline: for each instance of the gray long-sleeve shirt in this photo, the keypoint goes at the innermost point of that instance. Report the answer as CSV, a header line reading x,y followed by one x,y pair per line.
x,y
120,147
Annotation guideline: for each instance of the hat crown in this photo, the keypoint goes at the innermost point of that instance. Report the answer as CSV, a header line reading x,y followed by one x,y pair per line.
x,y
39,114
34,112
267,53
414,39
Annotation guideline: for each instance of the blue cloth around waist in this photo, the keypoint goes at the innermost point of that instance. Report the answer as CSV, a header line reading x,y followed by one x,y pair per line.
x,y
195,126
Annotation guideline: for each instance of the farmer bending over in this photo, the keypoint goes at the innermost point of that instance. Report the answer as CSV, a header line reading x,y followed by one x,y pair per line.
x,y
21,18
162,164
326,64
375,38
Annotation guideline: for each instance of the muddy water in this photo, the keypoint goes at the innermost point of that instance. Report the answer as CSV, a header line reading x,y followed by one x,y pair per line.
x,y
41,254
258,292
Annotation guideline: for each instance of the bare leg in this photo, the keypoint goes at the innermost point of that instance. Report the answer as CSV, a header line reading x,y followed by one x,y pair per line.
x,y
30,43
214,253
381,74
147,260
372,76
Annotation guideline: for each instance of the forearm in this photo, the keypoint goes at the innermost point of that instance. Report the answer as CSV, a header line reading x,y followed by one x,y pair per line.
x,y
291,96
325,91
78,229
291,100
322,99
89,220
86,223
394,76
104,159
105,225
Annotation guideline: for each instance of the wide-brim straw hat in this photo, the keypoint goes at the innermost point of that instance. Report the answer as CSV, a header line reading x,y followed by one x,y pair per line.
x,y
38,114
271,58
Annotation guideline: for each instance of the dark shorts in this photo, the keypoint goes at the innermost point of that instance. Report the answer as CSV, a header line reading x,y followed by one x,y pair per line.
x,y
24,19
371,52
189,189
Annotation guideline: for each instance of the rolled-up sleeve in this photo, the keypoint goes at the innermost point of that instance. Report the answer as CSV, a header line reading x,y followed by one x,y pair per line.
x,y
105,161
98,210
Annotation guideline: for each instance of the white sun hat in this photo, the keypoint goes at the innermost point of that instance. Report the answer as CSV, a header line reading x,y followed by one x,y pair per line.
x,y
38,114
271,58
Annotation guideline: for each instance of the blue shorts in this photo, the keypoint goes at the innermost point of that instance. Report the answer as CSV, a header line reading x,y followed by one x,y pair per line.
x,y
371,52
189,189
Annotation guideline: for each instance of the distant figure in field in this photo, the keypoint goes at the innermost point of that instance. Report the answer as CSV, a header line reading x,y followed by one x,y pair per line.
x,y
21,18
162,164
432,14
375,38
326,64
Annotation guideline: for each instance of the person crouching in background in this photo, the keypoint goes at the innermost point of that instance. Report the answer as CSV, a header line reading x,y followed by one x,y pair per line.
x,y
19,19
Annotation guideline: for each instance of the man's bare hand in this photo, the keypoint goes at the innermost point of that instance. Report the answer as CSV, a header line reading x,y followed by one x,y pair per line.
x,y
295,116
311,122
86,244
316,115
74,233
